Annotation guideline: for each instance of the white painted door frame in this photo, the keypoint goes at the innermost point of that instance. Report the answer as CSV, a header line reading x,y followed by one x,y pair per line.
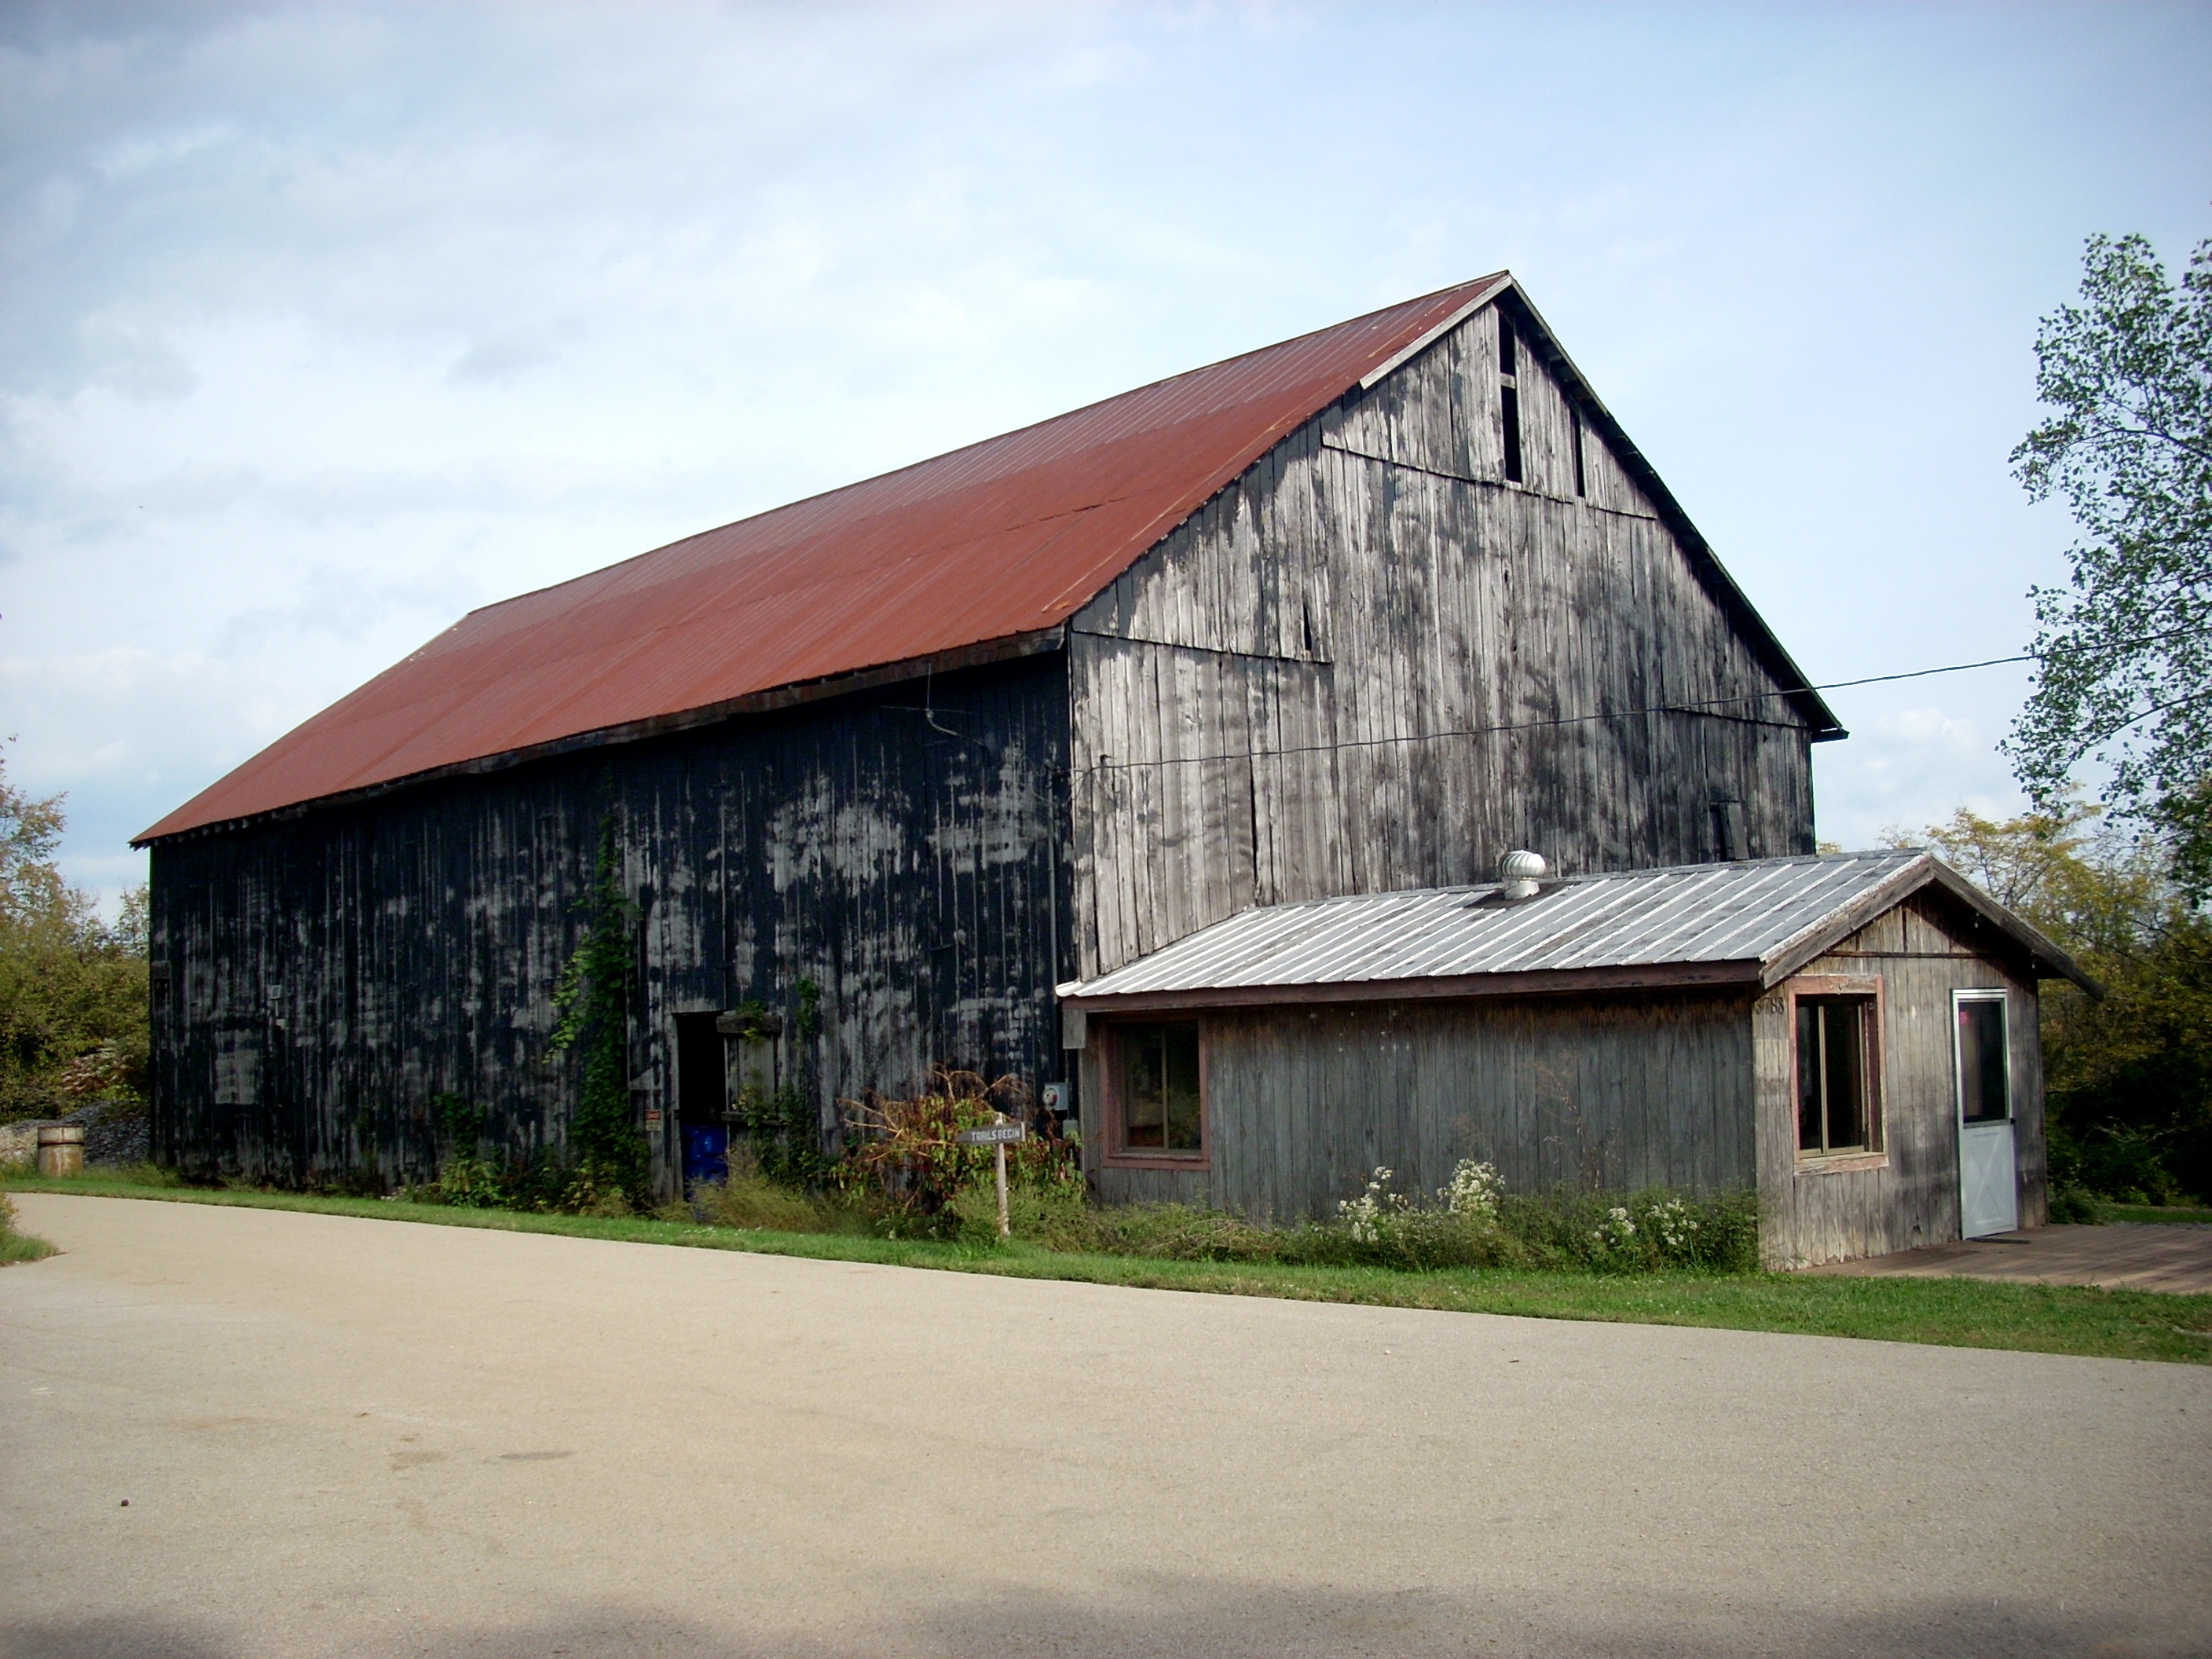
x,y
1989,1178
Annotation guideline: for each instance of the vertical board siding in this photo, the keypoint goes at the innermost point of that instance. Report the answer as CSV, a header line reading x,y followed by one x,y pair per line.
x,y
1261,708
1304,1102
1921,950
331,972
1363,666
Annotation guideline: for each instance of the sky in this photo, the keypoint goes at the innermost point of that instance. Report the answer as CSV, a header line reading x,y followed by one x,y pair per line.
x,y
322,324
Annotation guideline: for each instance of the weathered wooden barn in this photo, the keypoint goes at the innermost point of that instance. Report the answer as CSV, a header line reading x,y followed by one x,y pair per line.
x,y
1348,615
1852,1036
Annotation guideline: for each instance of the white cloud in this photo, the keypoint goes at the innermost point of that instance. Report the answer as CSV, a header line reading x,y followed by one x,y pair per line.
x,y
1913,764
324,324
122,731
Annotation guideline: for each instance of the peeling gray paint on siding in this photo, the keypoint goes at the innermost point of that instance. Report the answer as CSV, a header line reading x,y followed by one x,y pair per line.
x,y
331,972
1243,698
1618,1092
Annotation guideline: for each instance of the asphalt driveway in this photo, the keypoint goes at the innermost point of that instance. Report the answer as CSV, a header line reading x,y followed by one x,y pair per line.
x,y
246,1433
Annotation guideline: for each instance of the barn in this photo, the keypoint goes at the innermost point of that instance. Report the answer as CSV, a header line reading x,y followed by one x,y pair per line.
x,y
1350,615
1853,1036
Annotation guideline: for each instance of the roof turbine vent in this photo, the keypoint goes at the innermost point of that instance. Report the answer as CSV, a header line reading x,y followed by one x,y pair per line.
x,y
1520,871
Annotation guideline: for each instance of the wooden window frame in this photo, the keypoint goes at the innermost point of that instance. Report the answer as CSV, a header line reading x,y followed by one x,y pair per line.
x,y
1111,1154
1870,989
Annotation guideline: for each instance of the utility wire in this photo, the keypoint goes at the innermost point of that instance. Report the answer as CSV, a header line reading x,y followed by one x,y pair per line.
x,y
1710,706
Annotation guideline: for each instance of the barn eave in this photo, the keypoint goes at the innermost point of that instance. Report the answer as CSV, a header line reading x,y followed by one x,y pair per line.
x,y
1009,648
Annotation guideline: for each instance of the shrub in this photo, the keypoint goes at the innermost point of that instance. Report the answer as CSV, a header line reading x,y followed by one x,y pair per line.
x,y
2125,1164
1472,1222
1469,1223
1051,1212
1645,1231
785,1136
473,1183
2071,1206
748,1197
906,1157
1461,1228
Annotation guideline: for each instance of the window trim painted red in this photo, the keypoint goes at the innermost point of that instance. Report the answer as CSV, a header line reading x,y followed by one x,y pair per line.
x,y
1871,987
1111,1154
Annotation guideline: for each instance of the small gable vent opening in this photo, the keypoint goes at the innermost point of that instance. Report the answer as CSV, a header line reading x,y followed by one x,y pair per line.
x,y
1582,479
1508,397
1728,831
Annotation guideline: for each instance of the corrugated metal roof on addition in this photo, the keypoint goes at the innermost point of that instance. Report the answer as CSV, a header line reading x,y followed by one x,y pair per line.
x,y
1763,916
999,539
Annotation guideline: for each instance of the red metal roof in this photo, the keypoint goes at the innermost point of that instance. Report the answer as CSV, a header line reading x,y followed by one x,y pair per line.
x,y
997,540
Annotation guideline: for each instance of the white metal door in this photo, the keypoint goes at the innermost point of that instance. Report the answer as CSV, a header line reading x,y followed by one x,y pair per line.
x,y
1988,1189
1988,1200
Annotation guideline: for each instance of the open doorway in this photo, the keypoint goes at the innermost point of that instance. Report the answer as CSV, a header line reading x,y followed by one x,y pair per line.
x,y
702,1097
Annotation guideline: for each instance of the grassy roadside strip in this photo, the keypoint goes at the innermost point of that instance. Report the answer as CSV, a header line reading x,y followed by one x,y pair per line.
x,y
17,1246
1950,1312
2167,1215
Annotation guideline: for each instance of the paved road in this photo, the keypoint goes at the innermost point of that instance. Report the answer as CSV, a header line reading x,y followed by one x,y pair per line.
x,y
363,1438
2173,1257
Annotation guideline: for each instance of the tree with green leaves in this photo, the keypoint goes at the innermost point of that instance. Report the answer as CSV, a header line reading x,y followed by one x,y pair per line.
x,y
72,985
2123,651
2128,1076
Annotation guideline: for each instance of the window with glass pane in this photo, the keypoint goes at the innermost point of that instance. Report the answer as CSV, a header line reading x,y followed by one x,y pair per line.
x,y
1832,1106
1985,1076
1160,1111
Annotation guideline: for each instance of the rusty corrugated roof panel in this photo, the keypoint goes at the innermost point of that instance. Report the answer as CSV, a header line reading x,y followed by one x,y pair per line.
x,y
1763,918
994,541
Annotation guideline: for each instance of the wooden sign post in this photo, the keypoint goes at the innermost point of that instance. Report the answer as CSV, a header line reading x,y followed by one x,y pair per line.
x,y
997,1136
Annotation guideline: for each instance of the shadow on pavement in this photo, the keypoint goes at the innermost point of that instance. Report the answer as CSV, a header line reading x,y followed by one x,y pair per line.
x,y
110,1638
1193,1619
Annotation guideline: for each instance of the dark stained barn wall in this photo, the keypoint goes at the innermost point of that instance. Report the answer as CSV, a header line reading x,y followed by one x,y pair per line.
x,y
1921,951
1239,696
327,974
1303,1102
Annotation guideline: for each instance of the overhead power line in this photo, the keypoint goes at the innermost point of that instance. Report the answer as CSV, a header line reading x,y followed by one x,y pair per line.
x,y
1710,706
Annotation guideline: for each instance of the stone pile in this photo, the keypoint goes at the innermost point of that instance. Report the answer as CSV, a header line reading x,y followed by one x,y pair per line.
x,y
115,1133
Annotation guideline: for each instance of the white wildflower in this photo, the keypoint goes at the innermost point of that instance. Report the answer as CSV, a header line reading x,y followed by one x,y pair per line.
x,y
1618,1228
1472,1192
1674,1223
1363,1217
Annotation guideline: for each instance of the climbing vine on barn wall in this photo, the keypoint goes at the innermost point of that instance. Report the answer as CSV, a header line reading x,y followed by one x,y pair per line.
x,y
593,1001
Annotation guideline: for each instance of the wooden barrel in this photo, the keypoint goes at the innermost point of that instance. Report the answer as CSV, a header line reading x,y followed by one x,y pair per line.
x,y
61,1149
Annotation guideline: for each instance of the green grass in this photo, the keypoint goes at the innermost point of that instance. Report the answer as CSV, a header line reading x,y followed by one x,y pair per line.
x,y
2153,1213
15,1246
22,1247
1953,1312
